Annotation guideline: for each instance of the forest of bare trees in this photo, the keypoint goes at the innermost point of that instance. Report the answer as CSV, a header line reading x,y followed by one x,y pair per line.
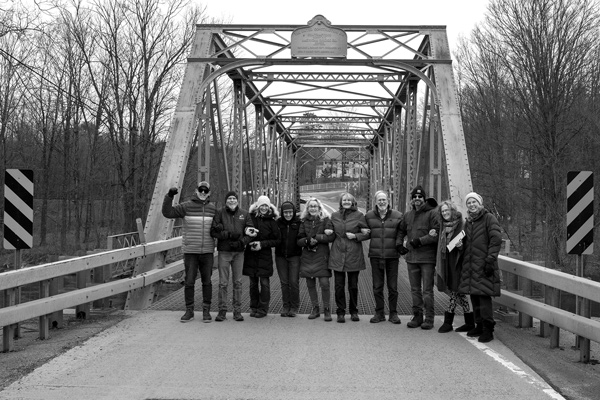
x,y
87,89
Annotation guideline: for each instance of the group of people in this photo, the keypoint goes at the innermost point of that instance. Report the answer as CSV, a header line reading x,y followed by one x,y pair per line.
x,y
439,247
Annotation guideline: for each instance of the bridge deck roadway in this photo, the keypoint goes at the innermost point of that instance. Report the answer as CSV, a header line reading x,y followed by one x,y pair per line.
x,y
153,356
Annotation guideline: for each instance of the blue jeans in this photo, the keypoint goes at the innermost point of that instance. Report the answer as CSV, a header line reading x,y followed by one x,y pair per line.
x,y
380,267
193,263
340,291
311,284
418,274
235,259
260,293
288,270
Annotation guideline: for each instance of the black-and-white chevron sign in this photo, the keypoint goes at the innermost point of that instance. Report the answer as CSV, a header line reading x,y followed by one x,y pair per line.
x,y
580,212
18,209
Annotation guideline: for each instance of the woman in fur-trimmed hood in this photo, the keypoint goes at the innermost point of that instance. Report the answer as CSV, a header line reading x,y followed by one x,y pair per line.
x,y
258,258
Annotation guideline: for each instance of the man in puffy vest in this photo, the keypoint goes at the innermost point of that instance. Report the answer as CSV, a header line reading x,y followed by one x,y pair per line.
x,y
198,245
420,227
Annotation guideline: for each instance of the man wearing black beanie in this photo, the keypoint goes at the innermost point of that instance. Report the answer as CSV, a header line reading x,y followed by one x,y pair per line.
x,y
421,257
233,229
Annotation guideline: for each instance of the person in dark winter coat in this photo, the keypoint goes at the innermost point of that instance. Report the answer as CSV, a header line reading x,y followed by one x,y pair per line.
x,y
449,265
198,245
349,228
480,276
287,259
233,229
314,261
420,259
383,223
258,256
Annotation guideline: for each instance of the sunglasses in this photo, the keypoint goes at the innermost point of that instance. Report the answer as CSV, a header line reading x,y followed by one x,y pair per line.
x,y
203,191
417,196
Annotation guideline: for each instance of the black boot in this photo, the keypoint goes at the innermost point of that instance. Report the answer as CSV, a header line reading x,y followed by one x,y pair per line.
x,y
477,331
469,323
315,313
447,326
488,332
416,321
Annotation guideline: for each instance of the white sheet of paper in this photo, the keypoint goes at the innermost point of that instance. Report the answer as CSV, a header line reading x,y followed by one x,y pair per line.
x,y
454,241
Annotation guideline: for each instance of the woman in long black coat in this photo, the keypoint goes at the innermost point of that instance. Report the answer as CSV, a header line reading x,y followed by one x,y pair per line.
x,y
258,256
480,276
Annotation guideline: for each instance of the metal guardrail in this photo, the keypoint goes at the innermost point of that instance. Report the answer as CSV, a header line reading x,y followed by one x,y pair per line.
x,y
549,311
10,282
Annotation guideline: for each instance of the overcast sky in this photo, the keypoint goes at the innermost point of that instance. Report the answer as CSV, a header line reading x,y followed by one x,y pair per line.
x,y
459,16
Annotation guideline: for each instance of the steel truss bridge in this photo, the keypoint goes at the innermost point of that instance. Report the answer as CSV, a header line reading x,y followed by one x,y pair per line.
x,y
385,98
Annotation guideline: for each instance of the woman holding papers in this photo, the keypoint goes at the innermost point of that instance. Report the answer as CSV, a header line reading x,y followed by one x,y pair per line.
x,y
449,265
480,276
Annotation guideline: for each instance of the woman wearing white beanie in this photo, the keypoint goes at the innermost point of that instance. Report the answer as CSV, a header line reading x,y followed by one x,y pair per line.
x,y
480,274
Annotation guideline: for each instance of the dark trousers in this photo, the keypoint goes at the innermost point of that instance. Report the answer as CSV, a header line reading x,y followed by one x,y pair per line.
x,y
482,308
380,267
260,296
192,264
340,291
420,277
288,270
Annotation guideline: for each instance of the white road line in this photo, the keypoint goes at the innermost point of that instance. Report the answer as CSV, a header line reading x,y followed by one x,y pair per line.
x,y
514,368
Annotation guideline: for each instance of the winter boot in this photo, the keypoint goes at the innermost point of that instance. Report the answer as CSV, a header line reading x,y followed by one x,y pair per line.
x,y
206,315
327,314
488,332
315,313
188,316
394,319
469,323
447,326
427,324
341,318
477,331
416,321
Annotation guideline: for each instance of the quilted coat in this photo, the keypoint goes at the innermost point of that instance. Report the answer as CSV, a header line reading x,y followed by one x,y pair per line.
x,y
384,233
417,224
197,218
481,246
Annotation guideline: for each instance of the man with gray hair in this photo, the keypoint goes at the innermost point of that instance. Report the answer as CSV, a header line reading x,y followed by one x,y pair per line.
x,y
385,250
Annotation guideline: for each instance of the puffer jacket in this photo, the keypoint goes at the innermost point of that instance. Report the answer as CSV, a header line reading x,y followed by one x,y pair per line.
x,y
417,224
288,247
197,218
314,264
229,227
385,235
260,263
481,243
347,254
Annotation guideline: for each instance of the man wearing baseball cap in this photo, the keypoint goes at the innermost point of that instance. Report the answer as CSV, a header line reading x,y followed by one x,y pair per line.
x,y
198,245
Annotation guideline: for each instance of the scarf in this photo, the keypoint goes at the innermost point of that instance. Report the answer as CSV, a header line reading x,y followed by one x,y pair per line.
x,y
448,228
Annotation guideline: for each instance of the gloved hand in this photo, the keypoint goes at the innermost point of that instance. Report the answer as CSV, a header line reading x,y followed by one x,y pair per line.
x,y
312,241
218,228
488,270
172,192
415,243
234,235
401,249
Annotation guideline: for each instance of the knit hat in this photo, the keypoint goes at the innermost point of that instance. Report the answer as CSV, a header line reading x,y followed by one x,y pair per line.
x,y
287,206
231,193
262,200
204,184
418,190
475,196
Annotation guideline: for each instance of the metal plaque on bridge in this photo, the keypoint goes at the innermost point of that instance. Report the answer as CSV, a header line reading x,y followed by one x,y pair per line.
x,y
319,39
580,212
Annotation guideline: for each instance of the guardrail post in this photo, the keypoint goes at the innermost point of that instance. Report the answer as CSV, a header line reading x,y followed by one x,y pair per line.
x,y
584,344
544,326
554,330
44,325
525,321
83,279
56,318
8,331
